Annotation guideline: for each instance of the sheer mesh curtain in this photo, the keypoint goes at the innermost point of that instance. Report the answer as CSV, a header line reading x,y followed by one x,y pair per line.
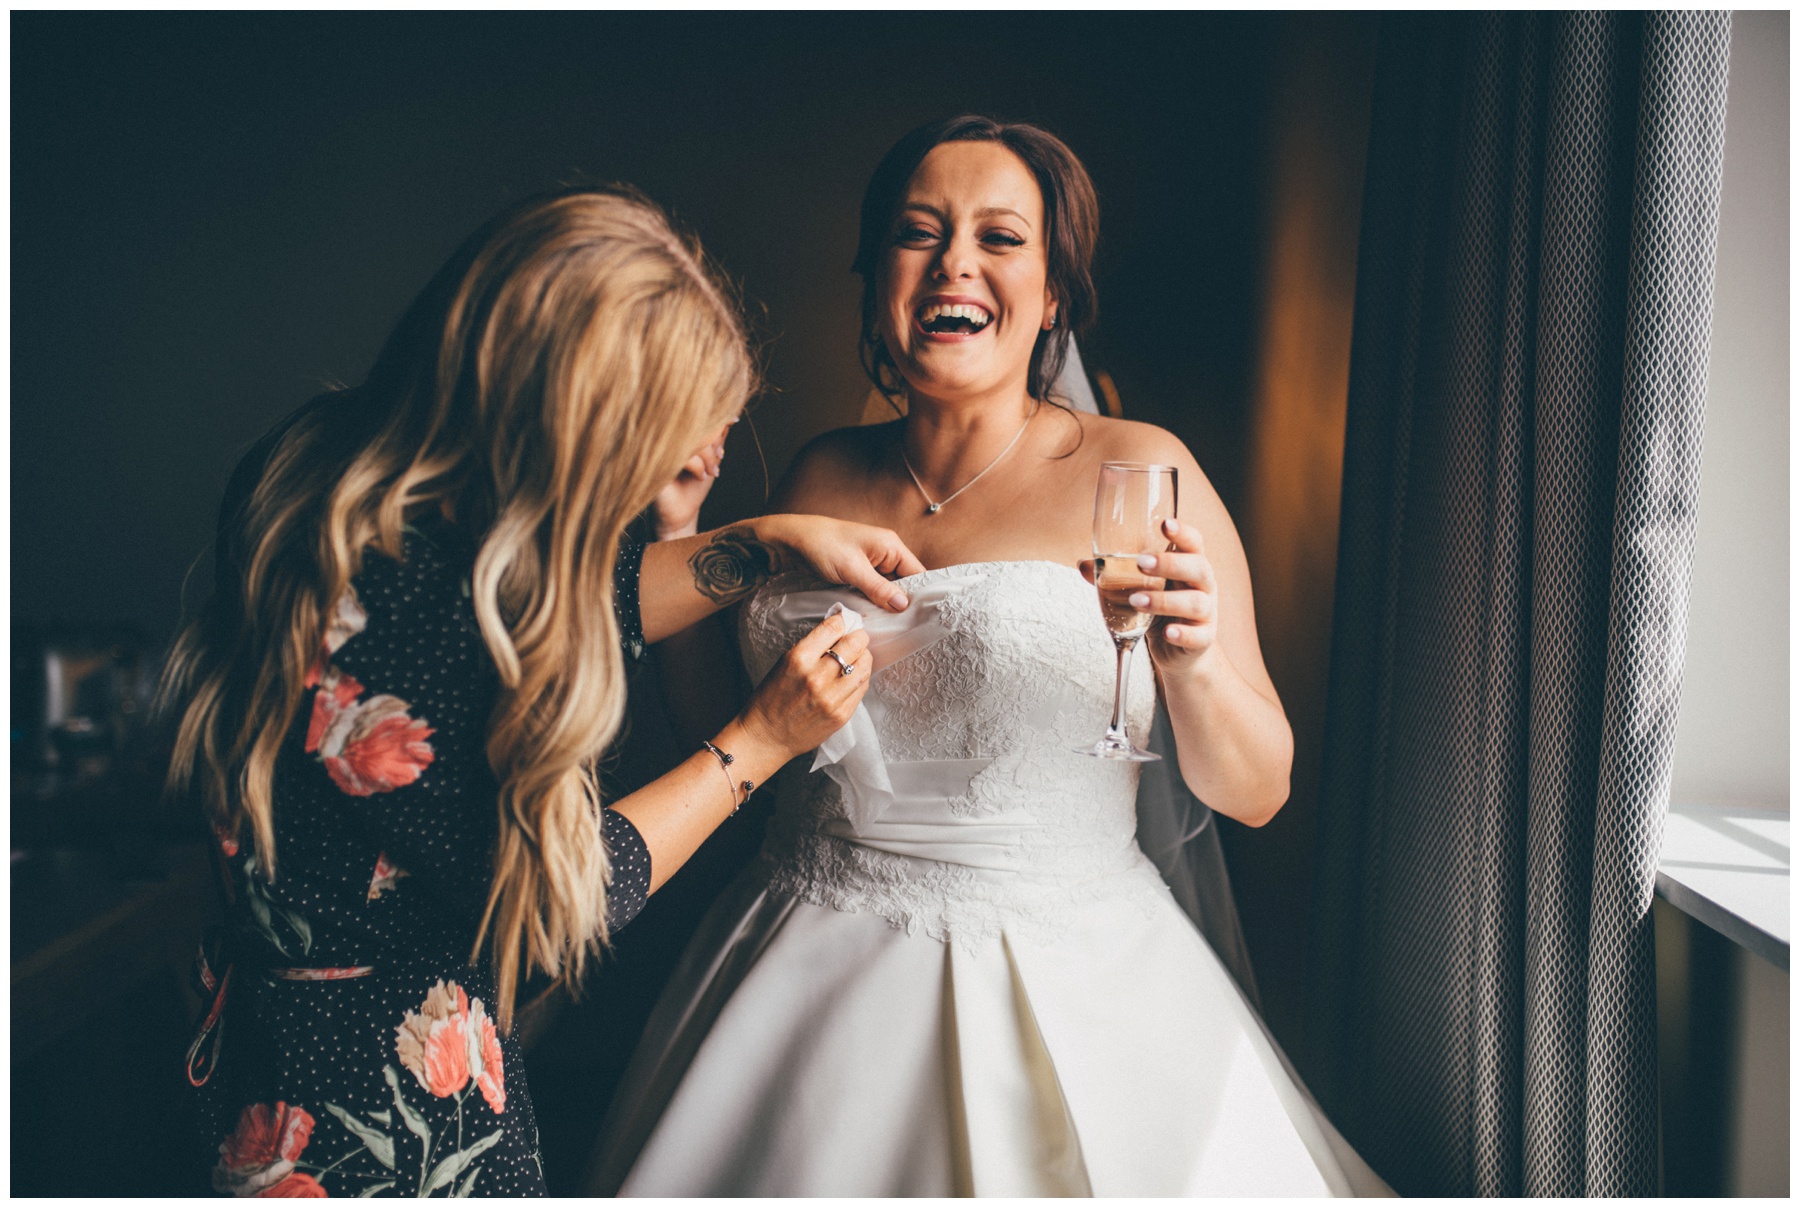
x,y
1534,305
1175,828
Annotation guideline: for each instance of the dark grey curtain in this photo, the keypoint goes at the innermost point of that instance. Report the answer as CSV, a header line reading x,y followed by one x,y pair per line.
x,y
1534,303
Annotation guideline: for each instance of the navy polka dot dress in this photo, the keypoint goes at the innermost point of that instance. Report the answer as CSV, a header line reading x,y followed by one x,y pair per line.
x,y
354,1049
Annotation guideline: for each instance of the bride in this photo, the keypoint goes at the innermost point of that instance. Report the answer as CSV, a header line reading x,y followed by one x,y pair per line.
x,y
952,971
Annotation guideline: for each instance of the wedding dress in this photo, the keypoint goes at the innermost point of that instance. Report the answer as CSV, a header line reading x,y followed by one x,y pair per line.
x,y
952,970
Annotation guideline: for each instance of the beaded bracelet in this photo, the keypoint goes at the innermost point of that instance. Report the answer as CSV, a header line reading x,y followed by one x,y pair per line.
x,y
725,762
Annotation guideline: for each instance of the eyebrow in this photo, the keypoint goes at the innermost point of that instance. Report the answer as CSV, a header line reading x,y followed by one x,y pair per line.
x,y
986,212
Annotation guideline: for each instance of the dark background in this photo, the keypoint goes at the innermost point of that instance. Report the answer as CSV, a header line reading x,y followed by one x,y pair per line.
x,y
214,215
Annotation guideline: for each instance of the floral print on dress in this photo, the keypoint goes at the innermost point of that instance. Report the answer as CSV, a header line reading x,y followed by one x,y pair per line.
x,y
451,1046
347,619
336,694
380,749
449,1043
387,876
262,1157
368,746
298,1185
227,841
259,1157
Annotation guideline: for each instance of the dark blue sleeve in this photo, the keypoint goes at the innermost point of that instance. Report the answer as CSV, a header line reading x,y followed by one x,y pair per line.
x,y
630,887
625,597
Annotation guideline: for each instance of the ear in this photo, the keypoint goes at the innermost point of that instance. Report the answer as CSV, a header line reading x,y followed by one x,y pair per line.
x,y
1050,308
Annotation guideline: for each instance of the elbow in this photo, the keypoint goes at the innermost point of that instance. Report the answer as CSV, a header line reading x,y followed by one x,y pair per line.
x,y
1265,806
1251,809
1266,801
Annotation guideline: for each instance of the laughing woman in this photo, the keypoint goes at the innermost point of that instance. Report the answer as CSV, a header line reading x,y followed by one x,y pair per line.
x,y
952,970
413,656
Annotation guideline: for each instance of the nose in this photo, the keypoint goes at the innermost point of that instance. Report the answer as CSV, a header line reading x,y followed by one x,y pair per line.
x,y
957,259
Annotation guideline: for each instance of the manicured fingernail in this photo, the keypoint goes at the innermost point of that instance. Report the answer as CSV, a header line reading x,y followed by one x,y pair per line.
x,y
1139,600
1146,561
1173,633
899,601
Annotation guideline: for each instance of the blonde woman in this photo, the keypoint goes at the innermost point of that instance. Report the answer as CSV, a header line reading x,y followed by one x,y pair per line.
x,y
414,655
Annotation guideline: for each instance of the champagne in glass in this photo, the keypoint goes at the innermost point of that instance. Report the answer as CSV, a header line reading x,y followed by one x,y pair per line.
x,y
1130,504
1117,576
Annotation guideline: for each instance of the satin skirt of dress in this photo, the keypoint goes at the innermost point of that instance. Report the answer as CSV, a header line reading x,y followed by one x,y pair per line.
x,y
802,1050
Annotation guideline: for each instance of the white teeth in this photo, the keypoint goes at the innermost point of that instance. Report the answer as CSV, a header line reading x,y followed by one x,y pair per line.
x,y
974,314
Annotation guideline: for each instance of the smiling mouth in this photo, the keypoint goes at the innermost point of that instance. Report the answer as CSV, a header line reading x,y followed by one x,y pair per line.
x,y
959,318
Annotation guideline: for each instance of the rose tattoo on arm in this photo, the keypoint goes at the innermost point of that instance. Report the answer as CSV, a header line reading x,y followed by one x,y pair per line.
x,y
732,565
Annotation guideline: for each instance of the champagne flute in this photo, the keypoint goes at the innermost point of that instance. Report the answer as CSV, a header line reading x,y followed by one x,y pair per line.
x,y
1130,504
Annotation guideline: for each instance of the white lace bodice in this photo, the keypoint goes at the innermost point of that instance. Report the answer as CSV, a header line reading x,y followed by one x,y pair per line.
x,y
985,816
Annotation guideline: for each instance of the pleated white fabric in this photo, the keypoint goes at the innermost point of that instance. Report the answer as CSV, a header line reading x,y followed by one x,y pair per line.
x,y
952,972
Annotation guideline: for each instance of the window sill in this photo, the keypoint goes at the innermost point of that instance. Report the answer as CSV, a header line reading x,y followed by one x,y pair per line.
x,y
1727,866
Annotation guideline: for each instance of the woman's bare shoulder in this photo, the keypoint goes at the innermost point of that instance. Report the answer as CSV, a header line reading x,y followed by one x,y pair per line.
x,y
831,463
1134,440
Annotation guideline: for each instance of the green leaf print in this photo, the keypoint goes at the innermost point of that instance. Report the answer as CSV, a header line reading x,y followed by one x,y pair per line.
x,y
415,1123
378,1143
454,1165
267,912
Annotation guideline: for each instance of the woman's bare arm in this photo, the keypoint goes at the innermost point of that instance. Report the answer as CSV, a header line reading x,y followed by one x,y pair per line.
x,y
686,580
1232,735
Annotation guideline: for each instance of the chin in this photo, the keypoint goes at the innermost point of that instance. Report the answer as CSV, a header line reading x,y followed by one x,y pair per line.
x,y
948,381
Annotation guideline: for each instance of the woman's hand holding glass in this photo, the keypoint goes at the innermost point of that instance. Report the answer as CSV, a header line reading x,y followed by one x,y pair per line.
x,y
1186,629
1185,625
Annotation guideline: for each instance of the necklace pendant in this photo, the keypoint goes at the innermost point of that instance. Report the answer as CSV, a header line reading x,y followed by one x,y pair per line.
x,y
931,509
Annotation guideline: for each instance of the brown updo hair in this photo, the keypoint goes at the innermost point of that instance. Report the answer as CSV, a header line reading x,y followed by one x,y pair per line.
x,y
1071,211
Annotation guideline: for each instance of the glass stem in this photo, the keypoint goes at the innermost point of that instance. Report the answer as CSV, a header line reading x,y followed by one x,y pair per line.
x,y
1116,731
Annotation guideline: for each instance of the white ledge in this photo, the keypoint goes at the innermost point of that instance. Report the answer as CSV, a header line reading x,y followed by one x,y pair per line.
x,y
1727,866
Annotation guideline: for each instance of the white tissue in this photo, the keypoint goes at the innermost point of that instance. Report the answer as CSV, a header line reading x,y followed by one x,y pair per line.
x,y
852,619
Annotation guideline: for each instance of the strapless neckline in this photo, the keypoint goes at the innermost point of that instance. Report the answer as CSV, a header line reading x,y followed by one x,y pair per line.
x,y
968,566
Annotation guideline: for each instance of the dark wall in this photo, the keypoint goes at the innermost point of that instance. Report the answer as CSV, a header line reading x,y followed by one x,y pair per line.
x,y
214,214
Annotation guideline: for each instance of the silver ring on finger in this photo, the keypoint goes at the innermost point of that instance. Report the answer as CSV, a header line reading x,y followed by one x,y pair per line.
x,y
843,667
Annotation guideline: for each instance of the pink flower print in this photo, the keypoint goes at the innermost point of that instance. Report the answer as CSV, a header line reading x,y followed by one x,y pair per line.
x,y
336,696
345,621
485,1059
450,1042
296,1186
227,841
433,1042
387,876
374,746
261,1152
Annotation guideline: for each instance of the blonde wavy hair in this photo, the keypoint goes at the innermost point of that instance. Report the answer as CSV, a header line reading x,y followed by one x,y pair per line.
x,y
548,381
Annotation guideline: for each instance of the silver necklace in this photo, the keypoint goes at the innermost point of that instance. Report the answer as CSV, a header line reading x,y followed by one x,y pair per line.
x,y
933,508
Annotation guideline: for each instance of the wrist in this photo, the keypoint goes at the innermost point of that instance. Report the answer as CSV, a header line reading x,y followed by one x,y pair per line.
x,y
755,750
1203,671
775,531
